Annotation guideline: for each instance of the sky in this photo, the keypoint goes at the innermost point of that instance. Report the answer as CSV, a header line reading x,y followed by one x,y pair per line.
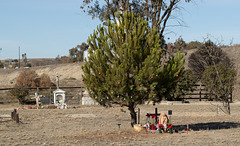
x,y
48,28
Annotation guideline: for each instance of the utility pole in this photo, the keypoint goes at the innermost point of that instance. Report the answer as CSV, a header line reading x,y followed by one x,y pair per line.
x,y
18,56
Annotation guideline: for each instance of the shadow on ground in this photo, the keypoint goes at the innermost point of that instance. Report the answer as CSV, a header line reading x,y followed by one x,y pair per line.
x,y
208,126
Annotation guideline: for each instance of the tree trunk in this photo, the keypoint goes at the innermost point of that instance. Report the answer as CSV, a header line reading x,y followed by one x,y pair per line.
x,y
226,105
133,115
228,108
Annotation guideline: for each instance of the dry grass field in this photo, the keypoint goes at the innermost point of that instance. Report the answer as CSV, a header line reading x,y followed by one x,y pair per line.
x,y
96,125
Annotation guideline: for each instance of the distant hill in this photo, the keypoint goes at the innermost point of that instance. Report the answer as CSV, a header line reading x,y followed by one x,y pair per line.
x,y
71,73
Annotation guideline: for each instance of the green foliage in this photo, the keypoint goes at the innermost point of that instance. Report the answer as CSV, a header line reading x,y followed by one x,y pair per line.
x,y
125,64
1,64
213,84
206,56
28,65
194,45
183,86
19,93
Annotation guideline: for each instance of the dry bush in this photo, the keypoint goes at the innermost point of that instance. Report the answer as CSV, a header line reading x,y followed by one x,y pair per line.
x,y
26,78
45,81
29,78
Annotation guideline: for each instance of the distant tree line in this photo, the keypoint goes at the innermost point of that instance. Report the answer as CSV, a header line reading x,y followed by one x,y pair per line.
x,y
75,54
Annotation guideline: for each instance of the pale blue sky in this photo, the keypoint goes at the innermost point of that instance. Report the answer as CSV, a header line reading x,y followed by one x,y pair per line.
x,y
47,28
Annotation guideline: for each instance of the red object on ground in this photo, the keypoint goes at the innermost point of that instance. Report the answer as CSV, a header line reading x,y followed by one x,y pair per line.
x,y
99,73
170,126
83,80
176,75
152,127
121,105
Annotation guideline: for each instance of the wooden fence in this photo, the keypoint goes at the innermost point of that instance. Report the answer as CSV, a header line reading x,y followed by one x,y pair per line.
x,y
75,94
201,93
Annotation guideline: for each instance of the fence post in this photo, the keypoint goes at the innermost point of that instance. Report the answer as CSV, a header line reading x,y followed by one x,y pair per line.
x,y
138,115
156,115
200,94
81,93
14,114
37,91
17,118
50,91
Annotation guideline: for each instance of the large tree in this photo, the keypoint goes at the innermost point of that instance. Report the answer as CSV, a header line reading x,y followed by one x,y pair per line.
x,y
206,56
219,81
213,67
157,12
125,65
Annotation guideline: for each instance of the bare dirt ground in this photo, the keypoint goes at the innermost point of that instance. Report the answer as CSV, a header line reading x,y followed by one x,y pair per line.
x,y
96,125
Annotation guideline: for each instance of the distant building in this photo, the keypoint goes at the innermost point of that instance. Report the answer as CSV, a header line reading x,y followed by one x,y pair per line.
x,y
10,63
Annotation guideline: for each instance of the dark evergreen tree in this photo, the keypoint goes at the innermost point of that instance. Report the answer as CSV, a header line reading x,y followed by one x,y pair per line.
x,y
125,65
185,85
220,80
206,56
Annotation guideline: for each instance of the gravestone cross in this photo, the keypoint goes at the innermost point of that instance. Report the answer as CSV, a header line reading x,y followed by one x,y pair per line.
x,y
156,114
